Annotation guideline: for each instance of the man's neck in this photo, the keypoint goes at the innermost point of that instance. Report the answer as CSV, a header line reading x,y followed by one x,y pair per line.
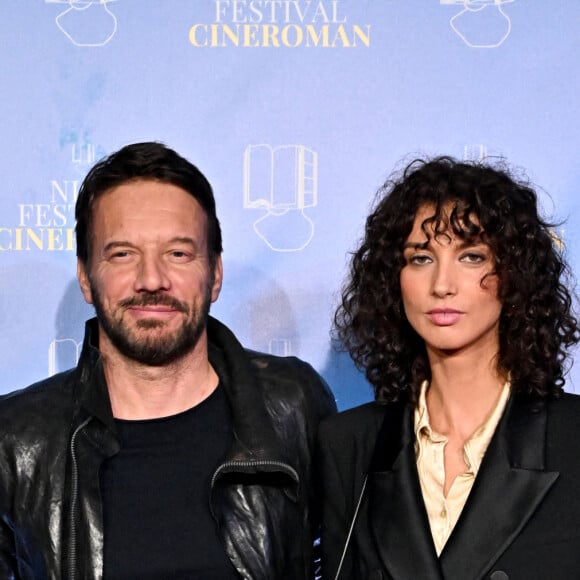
x,y
140,391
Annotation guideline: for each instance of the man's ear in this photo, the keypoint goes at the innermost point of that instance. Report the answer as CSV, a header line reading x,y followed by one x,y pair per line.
x,y
218,273
84,283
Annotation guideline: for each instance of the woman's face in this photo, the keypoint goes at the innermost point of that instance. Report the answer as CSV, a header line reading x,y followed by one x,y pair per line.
x,y
449,295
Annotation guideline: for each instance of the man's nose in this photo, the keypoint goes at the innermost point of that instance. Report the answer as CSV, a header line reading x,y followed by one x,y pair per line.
x,y
152,275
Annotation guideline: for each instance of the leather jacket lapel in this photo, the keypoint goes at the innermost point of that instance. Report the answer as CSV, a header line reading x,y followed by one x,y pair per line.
x,y
253,425
397,515
508,489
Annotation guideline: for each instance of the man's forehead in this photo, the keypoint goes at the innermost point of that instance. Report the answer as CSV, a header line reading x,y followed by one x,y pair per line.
x,y
148,210
139,196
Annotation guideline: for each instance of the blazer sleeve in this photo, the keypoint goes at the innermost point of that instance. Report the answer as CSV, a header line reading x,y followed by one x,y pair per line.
x,y
345,446
336,511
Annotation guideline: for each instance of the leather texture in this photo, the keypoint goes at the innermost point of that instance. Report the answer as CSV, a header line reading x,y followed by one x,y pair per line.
x,y
55,435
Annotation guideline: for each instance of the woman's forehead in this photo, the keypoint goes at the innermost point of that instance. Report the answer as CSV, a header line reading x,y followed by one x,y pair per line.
x,y
449,220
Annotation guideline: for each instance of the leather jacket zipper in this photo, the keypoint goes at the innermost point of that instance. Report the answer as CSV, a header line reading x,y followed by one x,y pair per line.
x,y
247,466
224,467
243,465
72,547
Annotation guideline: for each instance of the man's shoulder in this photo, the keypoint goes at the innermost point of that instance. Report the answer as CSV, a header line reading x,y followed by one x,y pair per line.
x,y
289,377
284,367
280,368
36,403
287,381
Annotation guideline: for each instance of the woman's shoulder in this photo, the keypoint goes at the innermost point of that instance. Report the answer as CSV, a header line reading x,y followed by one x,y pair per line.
x,y
564,408
359,422
561,435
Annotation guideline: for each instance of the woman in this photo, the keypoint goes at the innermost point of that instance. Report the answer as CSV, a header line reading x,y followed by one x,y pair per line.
x,y
467,465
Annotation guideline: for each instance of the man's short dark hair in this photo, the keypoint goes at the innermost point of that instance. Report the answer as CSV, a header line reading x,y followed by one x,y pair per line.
x,y
144,161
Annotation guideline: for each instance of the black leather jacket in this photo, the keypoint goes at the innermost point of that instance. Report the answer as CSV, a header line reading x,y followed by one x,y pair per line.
x,y
55,435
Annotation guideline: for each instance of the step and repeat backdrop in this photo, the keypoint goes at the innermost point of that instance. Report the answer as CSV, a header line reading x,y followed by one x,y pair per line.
x,y
296,110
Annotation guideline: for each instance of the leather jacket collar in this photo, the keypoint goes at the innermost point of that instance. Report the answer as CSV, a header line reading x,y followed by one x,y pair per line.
x,y
255,436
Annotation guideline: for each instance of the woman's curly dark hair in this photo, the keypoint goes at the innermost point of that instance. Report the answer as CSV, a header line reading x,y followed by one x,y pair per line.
x,y
537,324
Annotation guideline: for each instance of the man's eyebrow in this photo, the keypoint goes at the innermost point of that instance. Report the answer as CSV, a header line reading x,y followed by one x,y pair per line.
x,y
182,240
117,244
126,244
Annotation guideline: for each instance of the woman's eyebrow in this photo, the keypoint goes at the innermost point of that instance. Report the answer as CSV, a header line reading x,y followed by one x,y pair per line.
x,y
416,245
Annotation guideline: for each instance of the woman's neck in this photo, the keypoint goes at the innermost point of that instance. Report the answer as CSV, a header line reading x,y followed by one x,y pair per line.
x,y
462,394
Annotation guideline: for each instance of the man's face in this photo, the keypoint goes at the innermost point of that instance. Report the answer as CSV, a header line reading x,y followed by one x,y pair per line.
x,y
149,275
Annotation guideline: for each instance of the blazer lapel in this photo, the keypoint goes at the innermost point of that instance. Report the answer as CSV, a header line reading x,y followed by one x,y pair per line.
x,y
508,489
397,515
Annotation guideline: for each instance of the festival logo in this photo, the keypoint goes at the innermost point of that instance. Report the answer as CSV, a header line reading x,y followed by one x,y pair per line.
x,y
280,24
481,23
86,22
282,182
49,226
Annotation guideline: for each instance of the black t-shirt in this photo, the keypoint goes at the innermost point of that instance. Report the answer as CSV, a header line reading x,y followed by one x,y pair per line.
x,y
157,519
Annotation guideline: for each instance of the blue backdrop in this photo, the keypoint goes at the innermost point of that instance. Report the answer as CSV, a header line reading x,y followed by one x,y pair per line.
x,y
296,110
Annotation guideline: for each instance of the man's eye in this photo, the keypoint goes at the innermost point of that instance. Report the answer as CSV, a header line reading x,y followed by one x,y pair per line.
x,y
179,254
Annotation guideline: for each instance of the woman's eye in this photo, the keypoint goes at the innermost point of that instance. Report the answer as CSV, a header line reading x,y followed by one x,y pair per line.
x,y
473,258
419,259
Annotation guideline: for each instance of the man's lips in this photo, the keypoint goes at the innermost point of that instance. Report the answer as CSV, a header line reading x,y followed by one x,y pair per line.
x,y
157,311
444,316
154,305
153,308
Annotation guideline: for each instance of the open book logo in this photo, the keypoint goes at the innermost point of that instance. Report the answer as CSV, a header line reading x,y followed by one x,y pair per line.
x,y
475,152
481,23
283,182
86,22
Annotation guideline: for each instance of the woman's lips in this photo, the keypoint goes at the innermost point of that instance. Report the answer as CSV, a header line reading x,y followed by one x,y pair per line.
x,y
444,316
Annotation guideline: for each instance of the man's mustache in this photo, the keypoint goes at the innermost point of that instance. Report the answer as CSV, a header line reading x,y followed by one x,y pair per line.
x,y
154,300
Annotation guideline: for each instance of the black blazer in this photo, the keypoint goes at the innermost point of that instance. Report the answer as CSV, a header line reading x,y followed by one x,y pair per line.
x,y
521,520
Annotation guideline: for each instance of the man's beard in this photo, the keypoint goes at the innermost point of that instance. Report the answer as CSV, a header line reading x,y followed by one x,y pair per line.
x,y
158,350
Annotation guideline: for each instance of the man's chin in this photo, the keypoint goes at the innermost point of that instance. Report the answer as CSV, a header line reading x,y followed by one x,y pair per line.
x,y
153,336
151,324
156,344
156,351
154,326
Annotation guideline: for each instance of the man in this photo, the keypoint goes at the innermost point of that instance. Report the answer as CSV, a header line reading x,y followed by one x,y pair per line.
x,y
169,451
